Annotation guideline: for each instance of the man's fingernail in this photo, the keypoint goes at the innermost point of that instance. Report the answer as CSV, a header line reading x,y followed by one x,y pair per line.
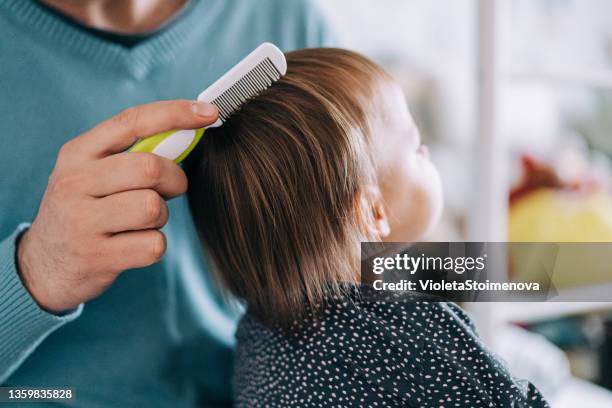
x,y
204,109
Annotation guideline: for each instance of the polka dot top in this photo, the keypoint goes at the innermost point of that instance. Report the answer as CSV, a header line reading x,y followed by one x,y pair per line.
x,y
364,350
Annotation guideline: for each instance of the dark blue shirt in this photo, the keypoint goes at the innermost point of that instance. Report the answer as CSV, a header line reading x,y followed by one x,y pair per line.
x,y
366,349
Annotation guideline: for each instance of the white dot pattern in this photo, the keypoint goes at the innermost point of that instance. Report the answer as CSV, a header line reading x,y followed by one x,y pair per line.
x,y
374,353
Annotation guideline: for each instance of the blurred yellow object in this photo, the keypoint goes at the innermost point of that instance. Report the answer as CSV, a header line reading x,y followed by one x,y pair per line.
x,y
555,215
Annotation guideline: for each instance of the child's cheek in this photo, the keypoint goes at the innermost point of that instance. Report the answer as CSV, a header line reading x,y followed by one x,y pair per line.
x,y
427,191
414,199
432,185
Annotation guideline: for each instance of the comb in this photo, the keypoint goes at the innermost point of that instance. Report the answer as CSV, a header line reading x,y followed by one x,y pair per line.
x,y
254,74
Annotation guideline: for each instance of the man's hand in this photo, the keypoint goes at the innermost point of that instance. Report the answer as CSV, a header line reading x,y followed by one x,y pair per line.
x,y
103,207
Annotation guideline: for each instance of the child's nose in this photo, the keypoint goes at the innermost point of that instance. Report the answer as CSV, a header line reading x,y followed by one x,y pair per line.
x,y
423,150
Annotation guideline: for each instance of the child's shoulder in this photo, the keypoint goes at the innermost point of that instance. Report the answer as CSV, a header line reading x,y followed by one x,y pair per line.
x,y
359,331
362,316
382,346
351,343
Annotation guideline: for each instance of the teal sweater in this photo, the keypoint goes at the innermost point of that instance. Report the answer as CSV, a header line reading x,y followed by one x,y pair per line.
x,y
160,336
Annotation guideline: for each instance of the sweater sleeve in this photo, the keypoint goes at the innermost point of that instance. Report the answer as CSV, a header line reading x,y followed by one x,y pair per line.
x,y
23,324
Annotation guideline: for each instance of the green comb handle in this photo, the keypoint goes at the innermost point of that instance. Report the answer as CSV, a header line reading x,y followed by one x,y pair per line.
x,y
173,144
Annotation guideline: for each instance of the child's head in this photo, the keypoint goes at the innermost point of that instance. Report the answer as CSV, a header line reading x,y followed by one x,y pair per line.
x,y
284,192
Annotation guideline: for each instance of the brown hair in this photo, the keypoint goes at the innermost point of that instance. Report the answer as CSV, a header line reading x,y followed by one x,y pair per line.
x,y
273,191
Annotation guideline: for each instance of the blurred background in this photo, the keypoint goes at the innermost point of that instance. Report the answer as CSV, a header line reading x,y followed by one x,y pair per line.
x,y
514,98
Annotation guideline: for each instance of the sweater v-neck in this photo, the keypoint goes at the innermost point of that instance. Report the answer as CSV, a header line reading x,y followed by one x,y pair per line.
x,y
137,61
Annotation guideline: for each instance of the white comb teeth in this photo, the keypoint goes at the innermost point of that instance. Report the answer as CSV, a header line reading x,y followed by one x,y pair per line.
x,y
251,76
260,78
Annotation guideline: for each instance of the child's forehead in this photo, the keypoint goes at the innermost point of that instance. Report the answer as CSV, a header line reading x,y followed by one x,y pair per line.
x,y
390,107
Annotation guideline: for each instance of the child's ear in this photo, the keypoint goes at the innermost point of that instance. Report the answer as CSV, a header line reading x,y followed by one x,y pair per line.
x,y
373,213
